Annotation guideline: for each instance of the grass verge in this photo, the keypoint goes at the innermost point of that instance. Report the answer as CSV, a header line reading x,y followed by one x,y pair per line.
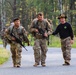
x,y
55,42
4,55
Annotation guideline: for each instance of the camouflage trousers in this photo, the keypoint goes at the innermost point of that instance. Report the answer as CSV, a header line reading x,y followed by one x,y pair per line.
x,y
66,49
4,43
40,50
16,50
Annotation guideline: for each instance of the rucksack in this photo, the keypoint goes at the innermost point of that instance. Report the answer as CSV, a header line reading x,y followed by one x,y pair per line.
x,y
44,21
11,29
20,32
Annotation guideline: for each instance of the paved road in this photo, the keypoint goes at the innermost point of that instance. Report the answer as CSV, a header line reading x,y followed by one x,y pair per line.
x,y
54,64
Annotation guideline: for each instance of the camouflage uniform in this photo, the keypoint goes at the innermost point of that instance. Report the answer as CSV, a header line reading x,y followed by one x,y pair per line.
x,y
3,37
66,49
66,35
4,43
16,48
40,46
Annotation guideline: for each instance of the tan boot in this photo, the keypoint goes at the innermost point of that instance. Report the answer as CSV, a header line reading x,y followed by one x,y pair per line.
x,y
18,66
67,63
14,65
43,65
36,64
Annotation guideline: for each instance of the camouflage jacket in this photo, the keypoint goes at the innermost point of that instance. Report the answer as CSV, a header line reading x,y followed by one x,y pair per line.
x,y
19,32
44,25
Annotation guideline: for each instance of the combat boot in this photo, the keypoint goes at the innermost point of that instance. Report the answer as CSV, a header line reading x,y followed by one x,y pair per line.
x,y
43,65
66,64
36,64
18,66
14,65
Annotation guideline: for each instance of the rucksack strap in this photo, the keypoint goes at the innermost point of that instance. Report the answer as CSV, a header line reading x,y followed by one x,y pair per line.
x,y
12,27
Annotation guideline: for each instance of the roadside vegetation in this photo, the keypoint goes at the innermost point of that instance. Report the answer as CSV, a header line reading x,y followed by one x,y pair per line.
x,y
4,55
54,41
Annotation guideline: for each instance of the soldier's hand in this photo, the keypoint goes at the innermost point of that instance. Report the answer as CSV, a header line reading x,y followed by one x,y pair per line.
x,y
6,30
72,41
36,30
45,34
13,38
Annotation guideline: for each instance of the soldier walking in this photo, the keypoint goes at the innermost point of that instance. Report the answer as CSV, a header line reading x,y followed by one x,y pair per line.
x,y
66,35
18,31
3,37
40,28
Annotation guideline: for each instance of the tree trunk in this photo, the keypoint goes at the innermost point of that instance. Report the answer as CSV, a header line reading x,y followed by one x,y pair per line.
x,y
14,9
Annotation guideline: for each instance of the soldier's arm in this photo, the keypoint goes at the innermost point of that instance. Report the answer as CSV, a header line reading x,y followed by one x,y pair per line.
x,y
7,34
71,32
32,29
25,33
49,28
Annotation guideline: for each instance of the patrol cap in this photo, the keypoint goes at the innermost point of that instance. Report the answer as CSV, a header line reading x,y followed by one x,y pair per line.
x,y
16,19
62,16
39,13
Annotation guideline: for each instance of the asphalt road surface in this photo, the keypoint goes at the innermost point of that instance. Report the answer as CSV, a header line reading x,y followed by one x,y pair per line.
x,y
54,63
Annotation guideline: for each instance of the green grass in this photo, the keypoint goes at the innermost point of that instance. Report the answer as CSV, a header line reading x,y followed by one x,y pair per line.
x,y
0,41
54,41
4,55
74,45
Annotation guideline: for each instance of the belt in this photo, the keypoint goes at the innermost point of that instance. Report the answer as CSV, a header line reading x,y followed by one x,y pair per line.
x,y
39,36
65,39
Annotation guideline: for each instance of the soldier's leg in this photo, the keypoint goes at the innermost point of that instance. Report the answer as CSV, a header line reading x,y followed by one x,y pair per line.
x,y
68,51
43,52
18,55
4,43
13,55
63,51
37,49
63,47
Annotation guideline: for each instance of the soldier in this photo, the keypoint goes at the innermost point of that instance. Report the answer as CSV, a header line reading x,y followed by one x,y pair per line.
x,y
40,28
18,31
66,35
3,37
